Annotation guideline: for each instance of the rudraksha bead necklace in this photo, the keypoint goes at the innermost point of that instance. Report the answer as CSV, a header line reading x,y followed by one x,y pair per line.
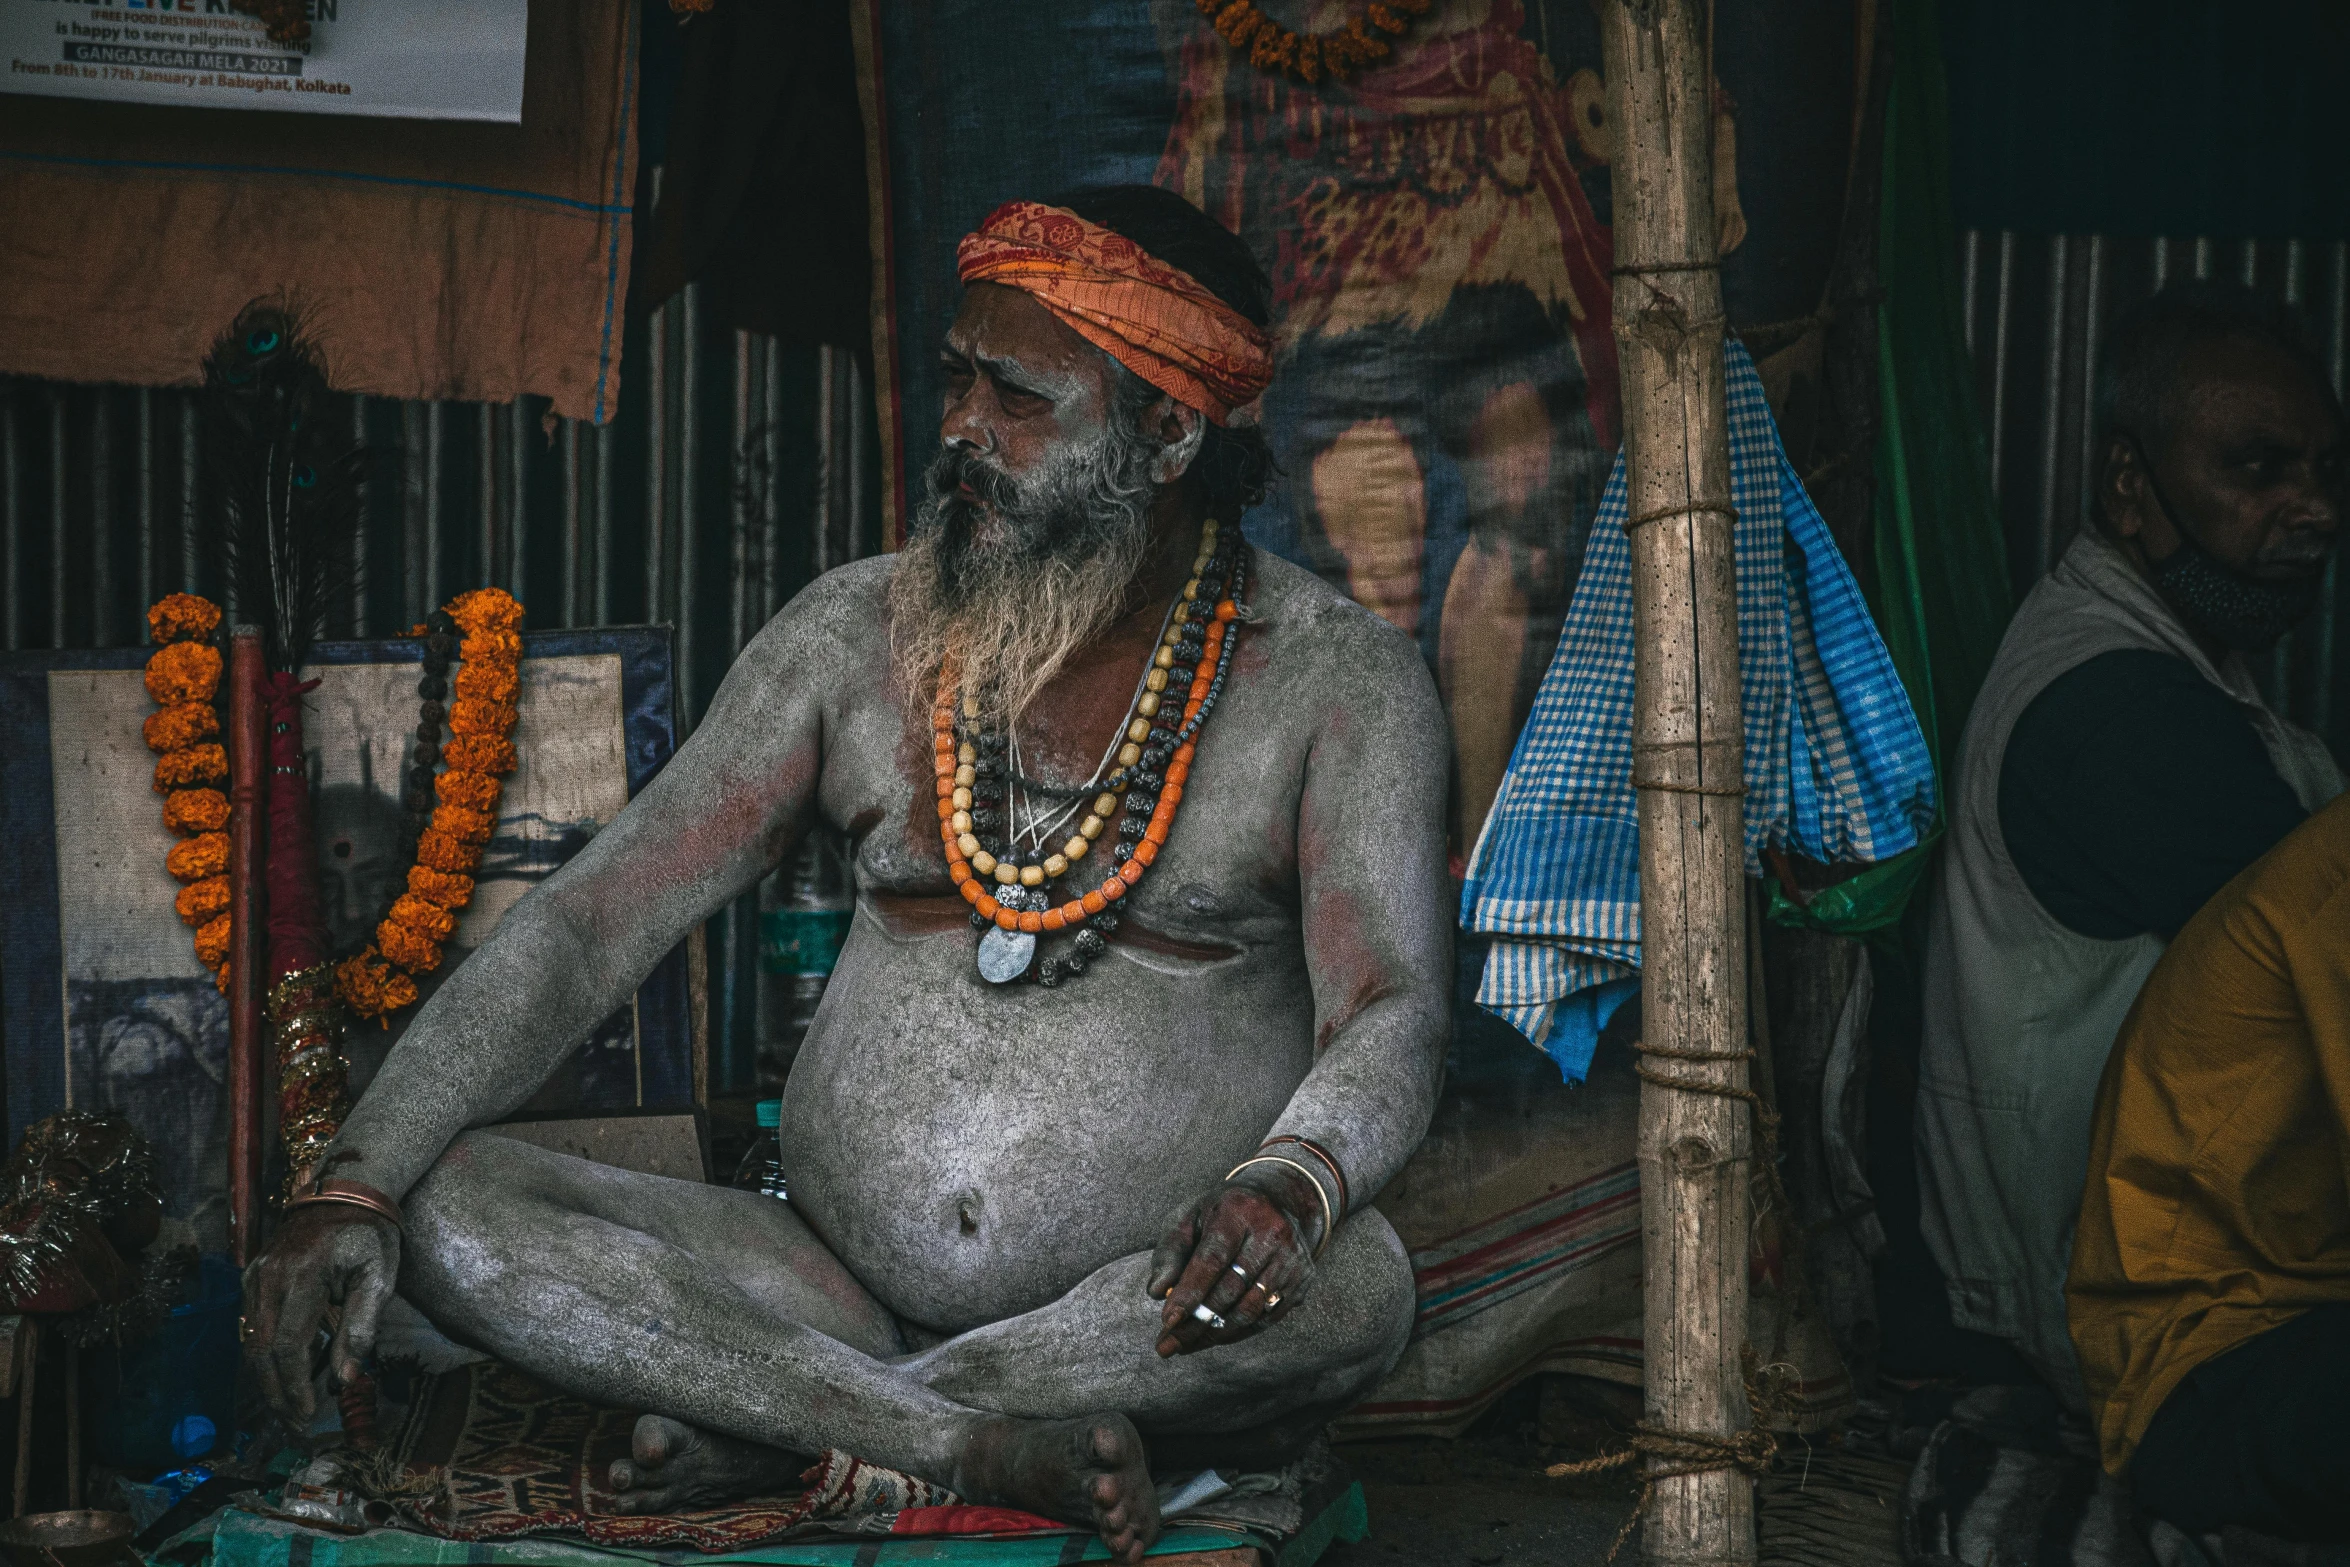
x,y
1010,874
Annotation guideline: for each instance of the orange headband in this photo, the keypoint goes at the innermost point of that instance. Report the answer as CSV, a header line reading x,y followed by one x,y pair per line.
x,y
1150,317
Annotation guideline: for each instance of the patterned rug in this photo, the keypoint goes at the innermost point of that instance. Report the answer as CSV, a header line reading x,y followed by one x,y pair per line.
x,y
489,1453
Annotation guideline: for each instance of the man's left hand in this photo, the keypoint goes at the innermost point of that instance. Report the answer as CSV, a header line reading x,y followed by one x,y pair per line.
x,y
1244,1251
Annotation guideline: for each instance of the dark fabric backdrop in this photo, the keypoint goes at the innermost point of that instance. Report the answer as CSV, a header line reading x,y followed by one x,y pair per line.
x,y
1444,407
2150,117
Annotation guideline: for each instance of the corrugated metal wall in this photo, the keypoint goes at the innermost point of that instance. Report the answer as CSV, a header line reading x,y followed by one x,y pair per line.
x,y
2036,308
736,469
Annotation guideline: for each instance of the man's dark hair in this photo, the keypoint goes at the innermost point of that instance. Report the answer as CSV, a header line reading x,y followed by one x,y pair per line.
x,y
1235,465
2138,366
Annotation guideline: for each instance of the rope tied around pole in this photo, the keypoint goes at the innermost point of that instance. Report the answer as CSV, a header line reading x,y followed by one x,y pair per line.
x,y
1766,1119
1751,1451
1754,1449
1726,790
1684,509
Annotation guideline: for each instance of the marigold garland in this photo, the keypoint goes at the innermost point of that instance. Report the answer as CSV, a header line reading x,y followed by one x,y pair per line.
x,y
190,766
480,718
487,683
489,644
200,902
380,979
489,611
199,858
183,676
212,944
371,987
467,826
469,790
181,672
178,727
1272,47
452,856
195,810
423,916
176,617
407,948
450,892
481,754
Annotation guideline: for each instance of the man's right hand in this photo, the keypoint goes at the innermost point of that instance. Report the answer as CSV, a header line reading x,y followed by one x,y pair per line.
x,y
323,1254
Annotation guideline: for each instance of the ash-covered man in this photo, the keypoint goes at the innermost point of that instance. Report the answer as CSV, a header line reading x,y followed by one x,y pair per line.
x,y
2118,769
1144,998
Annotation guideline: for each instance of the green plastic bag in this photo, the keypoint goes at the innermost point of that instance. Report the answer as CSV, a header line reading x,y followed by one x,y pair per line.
x,y
1942,599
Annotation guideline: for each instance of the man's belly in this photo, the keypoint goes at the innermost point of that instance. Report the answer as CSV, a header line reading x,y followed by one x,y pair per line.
x,y
971,1151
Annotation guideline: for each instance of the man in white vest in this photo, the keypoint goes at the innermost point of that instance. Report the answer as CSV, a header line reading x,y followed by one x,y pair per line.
x,y
2118,769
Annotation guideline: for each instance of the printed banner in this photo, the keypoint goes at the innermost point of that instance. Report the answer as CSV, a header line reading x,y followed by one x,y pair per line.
x,y
1444,402
411,59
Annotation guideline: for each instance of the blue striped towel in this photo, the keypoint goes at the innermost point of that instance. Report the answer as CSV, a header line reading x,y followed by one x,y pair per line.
x,y
1836,767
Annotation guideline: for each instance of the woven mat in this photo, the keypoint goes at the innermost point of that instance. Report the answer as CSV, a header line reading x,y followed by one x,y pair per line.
x,y
489,1453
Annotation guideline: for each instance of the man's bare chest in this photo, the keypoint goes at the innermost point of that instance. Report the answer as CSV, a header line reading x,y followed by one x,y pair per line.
x,y
1227,875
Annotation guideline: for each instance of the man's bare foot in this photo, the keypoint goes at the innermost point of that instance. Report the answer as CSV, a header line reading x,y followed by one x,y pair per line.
x,y
1089,1472
673,1467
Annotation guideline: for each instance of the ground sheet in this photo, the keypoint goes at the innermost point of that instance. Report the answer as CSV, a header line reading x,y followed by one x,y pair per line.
x,y
490,1465
241,1539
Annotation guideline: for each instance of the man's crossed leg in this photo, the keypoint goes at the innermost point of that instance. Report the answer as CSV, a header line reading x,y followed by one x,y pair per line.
x,y
726,1314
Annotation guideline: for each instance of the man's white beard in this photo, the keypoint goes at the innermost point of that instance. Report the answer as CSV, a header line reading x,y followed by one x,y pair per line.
x,y
1007,589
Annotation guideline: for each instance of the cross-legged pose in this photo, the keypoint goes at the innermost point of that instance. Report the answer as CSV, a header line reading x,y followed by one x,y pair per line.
x,y
1144,999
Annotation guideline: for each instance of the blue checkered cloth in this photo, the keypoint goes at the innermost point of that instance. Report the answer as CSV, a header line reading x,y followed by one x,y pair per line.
x,y
1836,766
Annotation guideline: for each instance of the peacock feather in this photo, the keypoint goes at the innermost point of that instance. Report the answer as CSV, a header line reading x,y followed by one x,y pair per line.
x,y
286,479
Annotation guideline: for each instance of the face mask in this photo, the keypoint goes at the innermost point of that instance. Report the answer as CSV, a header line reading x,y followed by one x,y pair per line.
x,y
2246,613
2240,611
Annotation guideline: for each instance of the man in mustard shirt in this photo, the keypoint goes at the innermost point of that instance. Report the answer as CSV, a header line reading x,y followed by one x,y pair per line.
x,y
2210,1287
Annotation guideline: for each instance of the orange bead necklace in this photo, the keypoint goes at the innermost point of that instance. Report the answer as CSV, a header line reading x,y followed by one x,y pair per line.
x,y
1016,904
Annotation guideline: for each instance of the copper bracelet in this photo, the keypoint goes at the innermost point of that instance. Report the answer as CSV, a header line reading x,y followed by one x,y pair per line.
x,y
356,1194
1345,1199
1329,1219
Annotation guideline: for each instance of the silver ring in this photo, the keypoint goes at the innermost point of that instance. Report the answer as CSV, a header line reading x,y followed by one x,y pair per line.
x,y
1237,1268
1200,1313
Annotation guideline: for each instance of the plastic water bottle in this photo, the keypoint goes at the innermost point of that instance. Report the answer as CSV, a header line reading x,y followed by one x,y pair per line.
x,y
805,912
762,1167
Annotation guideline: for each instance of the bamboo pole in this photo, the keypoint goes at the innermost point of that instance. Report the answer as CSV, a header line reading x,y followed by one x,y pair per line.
x,y
247,1068
1695,1143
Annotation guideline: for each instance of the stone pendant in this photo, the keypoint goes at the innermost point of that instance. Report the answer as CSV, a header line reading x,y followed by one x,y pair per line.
x,y
1004,955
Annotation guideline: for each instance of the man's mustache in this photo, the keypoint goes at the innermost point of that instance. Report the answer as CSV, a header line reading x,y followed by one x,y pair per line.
x,y
989,485
2301,552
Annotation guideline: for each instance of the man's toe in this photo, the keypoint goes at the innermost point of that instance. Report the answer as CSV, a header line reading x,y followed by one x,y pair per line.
x,y
650,1499
654,1441
1110,1447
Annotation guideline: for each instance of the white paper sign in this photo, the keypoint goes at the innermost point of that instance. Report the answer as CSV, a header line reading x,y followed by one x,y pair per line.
x,y
415,59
